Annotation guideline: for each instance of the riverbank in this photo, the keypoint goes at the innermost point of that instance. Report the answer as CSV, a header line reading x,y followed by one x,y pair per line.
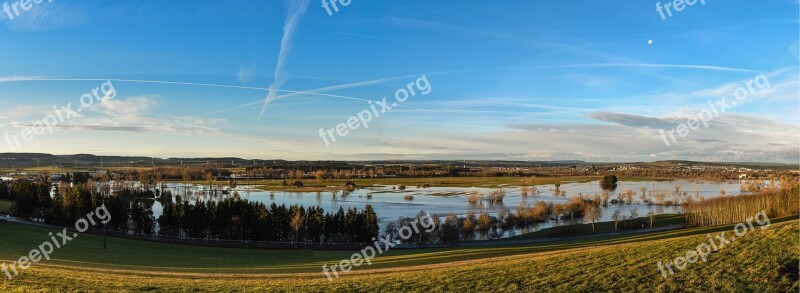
x,y
311,185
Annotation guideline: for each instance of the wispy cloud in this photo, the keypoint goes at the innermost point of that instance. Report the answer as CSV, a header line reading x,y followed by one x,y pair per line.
x,y
135,114
636,121
131,107
656,65
296,9
289,93
131,114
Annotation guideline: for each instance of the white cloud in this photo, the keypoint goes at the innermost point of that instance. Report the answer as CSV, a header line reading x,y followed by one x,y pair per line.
x,y
128,108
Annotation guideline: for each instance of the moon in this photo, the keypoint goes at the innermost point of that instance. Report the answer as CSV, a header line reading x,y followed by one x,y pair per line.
x,y
650,42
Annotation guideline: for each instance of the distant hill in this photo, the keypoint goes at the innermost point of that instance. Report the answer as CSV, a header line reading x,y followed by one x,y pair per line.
x,y
29,160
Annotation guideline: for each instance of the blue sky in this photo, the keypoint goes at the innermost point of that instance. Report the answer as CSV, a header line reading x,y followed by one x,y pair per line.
x,y
521,80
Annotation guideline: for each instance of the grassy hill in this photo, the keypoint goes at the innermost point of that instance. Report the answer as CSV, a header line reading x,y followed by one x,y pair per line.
x,y
763,261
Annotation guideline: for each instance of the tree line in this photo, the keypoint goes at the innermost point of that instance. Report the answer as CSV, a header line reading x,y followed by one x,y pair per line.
x,y
229,219
253,221
131,212
776,202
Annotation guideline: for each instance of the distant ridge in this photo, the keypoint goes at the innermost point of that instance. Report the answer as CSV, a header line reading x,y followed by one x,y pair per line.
x,y
28,160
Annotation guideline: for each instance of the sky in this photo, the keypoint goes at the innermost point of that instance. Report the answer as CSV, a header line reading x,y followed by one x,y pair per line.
x,y
523,80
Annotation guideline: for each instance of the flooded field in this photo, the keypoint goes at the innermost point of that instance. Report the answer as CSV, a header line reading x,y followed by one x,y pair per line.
x,y
390,203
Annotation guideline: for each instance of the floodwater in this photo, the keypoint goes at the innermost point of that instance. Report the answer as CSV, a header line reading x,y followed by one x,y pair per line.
x,y
390,204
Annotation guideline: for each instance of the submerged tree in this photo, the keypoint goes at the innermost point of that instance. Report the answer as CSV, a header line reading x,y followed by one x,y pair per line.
x,y
609,182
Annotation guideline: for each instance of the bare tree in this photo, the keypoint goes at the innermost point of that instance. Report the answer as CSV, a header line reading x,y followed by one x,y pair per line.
x,y
297,223
186,178
484,222
209,178
616,216
524,190
475,196
592,213
496,196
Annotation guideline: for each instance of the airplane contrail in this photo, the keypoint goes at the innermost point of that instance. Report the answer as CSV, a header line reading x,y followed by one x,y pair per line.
x,y
296,9
317,92
18,79
290,93
310,93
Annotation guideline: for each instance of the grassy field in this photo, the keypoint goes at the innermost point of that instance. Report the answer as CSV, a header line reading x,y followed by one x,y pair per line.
x,y
763,261
5,206
603,227
310,185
